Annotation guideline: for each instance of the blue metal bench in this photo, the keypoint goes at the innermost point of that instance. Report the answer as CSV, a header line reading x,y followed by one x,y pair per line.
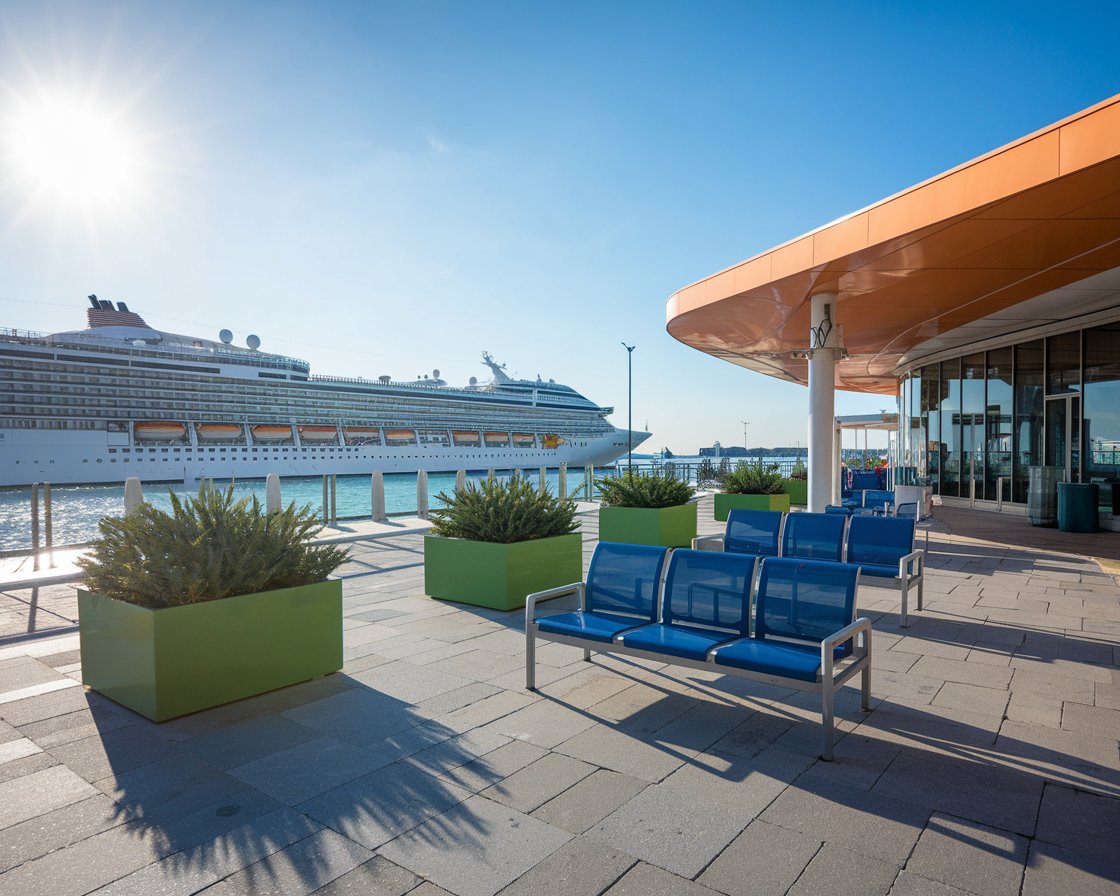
x,y
805,635
885,547
756,532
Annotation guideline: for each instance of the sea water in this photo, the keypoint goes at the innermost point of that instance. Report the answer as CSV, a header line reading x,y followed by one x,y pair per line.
x,y
77,509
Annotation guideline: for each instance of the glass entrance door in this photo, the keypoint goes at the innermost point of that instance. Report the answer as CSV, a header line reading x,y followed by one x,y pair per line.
x,y
1063,436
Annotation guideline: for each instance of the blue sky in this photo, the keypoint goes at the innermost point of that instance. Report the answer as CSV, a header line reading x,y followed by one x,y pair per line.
x,y
388,188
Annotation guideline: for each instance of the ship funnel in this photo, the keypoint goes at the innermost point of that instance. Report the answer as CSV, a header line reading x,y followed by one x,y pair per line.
x,y
105,304
93,301
121,306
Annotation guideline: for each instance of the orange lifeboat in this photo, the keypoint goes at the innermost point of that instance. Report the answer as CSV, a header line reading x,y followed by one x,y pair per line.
x,y
496,439
465,437
269,432
160,432
317,433
362,435
400,435
524,440
215,431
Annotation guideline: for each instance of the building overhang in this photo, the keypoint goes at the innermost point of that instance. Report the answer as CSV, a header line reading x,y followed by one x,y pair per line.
x,y
1024,236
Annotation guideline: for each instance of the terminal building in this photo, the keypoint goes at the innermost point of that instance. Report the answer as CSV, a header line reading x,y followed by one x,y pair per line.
x,y
986,300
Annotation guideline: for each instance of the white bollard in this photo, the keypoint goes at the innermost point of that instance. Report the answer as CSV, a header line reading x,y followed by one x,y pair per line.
x,y
563,473
377,496
272,493
490,475
461,480
133,494
422,494
544,480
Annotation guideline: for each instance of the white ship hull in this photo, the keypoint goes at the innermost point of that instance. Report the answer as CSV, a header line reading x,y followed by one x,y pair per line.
x,y
98,457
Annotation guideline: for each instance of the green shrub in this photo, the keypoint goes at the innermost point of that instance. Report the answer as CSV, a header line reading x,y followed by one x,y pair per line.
x,y
207,548
752,479
503,512
706,473
637,490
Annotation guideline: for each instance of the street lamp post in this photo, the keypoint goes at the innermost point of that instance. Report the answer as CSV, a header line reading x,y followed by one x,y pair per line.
x,y
629,406
745,423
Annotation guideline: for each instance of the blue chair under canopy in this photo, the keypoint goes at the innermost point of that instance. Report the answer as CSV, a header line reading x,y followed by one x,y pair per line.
x,y
884,547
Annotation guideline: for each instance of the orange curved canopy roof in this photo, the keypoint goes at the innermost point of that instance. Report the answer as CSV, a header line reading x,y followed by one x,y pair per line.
x,y
932,266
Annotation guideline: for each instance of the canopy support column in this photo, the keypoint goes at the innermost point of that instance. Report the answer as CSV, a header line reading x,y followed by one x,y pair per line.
x,y
822,400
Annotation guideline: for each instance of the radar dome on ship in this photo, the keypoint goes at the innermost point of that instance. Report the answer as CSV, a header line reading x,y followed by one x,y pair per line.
x,y
253,341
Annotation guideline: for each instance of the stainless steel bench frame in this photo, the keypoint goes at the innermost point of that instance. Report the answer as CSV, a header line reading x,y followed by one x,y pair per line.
x,y
833,675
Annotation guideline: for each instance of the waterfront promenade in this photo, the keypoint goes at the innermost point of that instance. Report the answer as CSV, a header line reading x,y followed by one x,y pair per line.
x,y
988,765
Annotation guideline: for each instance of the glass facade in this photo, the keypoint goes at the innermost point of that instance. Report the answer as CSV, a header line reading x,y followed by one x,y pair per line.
x,y
978,423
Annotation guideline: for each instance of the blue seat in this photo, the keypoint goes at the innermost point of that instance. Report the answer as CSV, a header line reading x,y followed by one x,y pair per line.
x,y
620,593
755,532
814,536
838,509
706,603
804,624
885,547
876,500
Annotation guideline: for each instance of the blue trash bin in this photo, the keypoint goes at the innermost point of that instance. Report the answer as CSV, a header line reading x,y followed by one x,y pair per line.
x,y
1077,506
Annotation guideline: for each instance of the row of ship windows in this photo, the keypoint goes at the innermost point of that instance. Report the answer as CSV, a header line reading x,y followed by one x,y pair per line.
x,y
126,460
122,382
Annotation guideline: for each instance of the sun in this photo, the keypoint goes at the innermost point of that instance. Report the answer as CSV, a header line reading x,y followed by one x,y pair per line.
x,y
73,151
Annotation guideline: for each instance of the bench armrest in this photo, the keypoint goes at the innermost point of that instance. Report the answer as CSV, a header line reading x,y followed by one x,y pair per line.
x,y
702,542
830,642
912,564
531,600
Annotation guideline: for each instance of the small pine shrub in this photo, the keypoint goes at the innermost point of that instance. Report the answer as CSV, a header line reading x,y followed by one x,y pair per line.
x,y
503,512
208,548
637,490
752,479
706,473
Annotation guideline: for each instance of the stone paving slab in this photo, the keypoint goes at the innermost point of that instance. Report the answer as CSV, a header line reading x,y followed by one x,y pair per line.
x,y
990,759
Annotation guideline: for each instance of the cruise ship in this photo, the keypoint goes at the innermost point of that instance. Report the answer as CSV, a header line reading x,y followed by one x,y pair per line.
x,y
121,399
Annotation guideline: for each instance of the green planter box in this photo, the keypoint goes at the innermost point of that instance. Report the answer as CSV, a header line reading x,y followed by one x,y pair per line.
x,y
726,503
671,527
499,576
177,660
798,491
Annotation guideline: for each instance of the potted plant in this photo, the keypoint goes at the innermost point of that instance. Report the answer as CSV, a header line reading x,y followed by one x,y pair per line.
x,y
797,486
494,542
210,603
647,509
751,487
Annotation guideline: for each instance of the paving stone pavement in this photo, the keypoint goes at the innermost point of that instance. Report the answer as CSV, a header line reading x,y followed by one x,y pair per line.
x,y
989,764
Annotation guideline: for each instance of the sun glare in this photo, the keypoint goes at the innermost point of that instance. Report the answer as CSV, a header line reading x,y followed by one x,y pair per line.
x,y
72,152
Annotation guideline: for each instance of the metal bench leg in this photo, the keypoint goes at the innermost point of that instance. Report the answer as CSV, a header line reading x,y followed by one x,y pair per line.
x,y
827,698
587,654
921,588
530,659
904,618
865,681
